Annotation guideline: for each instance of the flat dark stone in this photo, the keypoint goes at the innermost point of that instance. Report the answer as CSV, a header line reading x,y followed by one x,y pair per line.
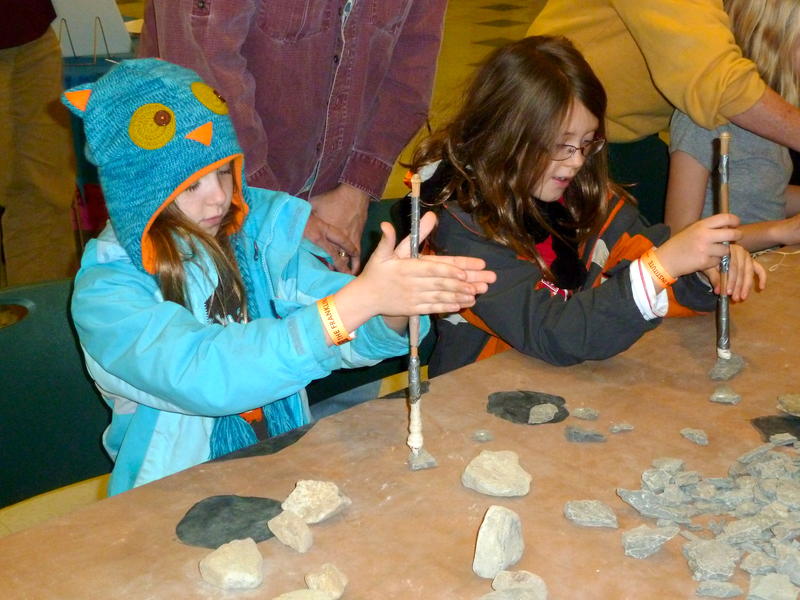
x,y
269,445
218,520
516,406
771,424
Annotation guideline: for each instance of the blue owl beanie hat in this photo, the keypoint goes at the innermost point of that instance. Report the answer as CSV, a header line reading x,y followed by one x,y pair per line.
x,y
152,129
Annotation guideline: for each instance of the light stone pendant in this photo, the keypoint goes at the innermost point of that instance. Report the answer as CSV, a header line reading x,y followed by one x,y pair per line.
x,y
233,566
500,542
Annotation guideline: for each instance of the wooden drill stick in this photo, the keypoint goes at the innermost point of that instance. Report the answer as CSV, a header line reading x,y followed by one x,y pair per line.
x,y
414,385
723,315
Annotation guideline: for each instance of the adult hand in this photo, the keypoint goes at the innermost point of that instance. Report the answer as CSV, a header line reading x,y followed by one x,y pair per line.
x,y
429,284
345,209
331,239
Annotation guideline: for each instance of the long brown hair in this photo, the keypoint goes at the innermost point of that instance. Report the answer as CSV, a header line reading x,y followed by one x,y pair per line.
x,y
170,231
499,143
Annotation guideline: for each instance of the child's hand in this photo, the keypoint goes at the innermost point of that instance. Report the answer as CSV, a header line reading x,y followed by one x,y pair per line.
x,y
741,271
396,286
429,284
699,246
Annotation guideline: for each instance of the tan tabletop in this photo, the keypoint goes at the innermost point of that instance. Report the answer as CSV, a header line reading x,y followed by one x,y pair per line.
x,y
412,534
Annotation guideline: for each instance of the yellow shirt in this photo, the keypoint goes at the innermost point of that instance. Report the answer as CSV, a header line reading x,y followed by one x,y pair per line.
x,y
656,55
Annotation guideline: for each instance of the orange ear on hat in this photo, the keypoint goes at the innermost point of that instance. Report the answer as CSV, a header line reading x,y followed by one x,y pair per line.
x,y
78,98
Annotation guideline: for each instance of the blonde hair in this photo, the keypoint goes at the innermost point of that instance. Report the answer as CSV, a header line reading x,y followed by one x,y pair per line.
x,y
768,32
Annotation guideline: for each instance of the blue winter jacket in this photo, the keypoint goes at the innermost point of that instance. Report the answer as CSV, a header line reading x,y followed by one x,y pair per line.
x,y
166,371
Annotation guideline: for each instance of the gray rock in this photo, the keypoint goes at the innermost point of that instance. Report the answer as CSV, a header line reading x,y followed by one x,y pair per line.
x,y
673,495
687,478
585,413
542,413
649,505
670,465
757,563
236,565
718,589
315,501
581,435
500,543
711,559
420,460
620,427
327,579
497,474
291,530
698,436
788,494
754,454
590,513
482,435
782,439
726,368
773,586
644,541
723,394
655,480
788,562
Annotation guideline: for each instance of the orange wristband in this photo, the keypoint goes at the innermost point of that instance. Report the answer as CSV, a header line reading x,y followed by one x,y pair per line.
x,y
655,267
332,321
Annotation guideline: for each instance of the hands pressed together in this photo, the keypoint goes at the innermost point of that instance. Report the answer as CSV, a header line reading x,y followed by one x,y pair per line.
x,y
396,286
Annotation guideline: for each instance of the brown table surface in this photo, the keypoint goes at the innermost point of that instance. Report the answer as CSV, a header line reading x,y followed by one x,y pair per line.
x,y
412,534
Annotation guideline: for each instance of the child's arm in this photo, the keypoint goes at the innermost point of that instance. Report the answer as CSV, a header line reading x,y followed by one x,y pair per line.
x,y
396,286
686,191
766,234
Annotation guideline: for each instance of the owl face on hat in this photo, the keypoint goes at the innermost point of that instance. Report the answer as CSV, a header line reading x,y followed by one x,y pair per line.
x,y
153,128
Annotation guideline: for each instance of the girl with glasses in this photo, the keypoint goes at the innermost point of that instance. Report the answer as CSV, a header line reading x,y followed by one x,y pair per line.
x,y
519,178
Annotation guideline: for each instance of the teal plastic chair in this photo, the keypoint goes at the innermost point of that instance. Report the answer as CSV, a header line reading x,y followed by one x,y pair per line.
x,y
51,415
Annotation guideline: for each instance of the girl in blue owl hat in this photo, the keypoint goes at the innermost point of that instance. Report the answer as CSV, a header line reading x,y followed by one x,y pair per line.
x,y
201,309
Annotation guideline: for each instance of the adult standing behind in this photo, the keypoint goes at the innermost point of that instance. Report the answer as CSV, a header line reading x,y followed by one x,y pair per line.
x,y
656,55
324,94
37,178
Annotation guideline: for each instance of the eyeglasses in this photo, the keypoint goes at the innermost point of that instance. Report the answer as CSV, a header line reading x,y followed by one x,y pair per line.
x,y
565,151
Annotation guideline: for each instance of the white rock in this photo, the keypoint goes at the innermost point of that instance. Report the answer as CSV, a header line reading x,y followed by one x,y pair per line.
x,y
500,542
506,580
291,530
315,501
304,595
328,579
233,566
497,474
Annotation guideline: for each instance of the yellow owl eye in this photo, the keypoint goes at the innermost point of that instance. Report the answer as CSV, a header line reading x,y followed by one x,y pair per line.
x,y
210,98
152,126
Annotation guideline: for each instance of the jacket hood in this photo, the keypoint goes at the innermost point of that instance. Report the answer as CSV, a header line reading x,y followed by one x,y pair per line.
x,y
153,128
